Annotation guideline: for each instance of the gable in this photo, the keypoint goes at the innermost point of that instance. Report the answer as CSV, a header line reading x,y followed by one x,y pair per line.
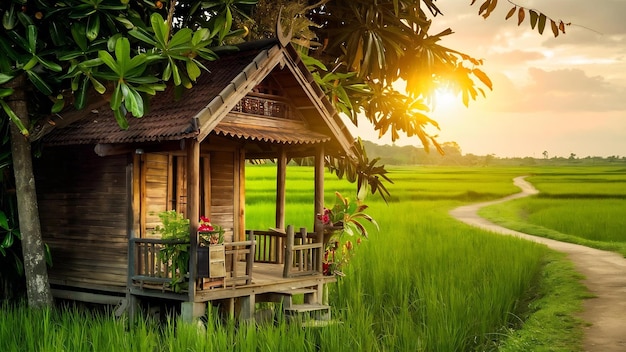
x,y
263,79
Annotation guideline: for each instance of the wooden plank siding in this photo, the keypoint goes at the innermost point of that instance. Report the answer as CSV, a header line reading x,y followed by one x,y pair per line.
x,y
223,181
83,203
164,180
155,190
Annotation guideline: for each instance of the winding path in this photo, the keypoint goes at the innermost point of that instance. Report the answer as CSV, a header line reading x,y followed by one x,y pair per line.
x,y
605,274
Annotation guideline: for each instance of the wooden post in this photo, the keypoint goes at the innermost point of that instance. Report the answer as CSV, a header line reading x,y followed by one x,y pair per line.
x,y
192,311
281,175
250,259
130,192
247,308
193,209
288,251
241,236
319,190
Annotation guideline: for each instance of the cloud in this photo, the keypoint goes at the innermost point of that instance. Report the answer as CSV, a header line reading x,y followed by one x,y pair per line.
x,y
563,90
516,57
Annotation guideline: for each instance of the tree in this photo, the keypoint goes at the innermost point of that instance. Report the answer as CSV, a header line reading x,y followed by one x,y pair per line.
x,y
358,49
58,53
65,53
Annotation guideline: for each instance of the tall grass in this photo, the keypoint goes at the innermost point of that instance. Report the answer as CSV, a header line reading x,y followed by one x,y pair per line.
x,y
424,282
431,284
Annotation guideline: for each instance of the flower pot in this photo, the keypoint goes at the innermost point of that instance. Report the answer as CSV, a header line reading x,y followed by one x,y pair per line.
x,y
202,267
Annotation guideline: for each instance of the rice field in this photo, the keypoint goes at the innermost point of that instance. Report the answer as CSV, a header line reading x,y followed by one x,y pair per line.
x,y
584,205
424,282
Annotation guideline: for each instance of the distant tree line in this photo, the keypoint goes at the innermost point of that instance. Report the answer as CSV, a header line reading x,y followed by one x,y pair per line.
x,y
453,156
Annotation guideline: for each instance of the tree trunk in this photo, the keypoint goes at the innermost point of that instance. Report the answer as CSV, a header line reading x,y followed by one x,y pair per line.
x,y
37,284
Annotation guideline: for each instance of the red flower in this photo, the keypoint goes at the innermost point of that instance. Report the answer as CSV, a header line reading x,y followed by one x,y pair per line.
x,y
205,225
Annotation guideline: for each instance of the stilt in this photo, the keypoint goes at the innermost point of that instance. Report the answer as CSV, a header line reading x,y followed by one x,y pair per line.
x,y
247,308
192,311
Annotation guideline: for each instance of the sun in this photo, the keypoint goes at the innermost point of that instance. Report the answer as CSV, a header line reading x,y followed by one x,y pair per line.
x,y
445,99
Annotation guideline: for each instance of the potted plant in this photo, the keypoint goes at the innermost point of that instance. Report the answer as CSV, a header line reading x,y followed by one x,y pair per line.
x,y
209,234
211,254
175,230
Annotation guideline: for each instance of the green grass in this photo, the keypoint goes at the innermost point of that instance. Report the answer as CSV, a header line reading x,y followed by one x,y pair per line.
x,y
582,205
424,282
549,322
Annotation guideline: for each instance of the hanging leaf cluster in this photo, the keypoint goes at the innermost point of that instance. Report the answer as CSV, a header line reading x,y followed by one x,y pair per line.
x,y
71,51
537,19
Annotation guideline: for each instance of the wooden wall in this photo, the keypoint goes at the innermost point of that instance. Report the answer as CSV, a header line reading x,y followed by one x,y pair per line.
x,y
224,191
83,206
163,187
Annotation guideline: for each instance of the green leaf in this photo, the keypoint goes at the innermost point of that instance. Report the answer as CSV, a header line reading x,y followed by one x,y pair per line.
x,y
120,117
4,78
79,35
112,41
58,105
81,93
167,72
143,35
24,19
31,35
93,27
132,100
99,87
9,18
182,37
122,53
52,66
5,92
136,62
175,73
109,61
47,255
116,98
19,266
39,83
161,32
8,240
30,64
58,39
193,70
4,222
313,62
16,120
90,63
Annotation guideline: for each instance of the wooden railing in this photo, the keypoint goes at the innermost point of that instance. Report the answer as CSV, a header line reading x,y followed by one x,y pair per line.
x,y
303,253
237,252
147,265
270,246
148,269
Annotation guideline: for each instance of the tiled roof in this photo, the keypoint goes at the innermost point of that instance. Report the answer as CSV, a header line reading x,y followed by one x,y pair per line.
x,y
168,118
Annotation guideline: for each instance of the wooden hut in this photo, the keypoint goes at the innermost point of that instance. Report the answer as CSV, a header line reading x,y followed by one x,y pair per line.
x,y
100,188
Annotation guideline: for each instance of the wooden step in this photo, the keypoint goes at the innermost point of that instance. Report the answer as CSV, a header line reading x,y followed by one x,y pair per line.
x,y
320,323
308,311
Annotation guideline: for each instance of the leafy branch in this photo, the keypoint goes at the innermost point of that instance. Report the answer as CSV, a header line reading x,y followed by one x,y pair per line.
x,y
536,18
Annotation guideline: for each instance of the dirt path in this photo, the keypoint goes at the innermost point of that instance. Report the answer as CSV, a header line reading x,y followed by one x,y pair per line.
x,y
605,274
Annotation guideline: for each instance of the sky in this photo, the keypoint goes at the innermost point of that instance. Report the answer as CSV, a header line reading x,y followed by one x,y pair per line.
x,y
563,96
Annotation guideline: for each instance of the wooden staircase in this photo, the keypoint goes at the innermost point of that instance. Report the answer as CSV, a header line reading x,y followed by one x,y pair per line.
x,y
309,313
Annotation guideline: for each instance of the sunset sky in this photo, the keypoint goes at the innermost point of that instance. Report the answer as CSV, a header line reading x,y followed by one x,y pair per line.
x,y
561,95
